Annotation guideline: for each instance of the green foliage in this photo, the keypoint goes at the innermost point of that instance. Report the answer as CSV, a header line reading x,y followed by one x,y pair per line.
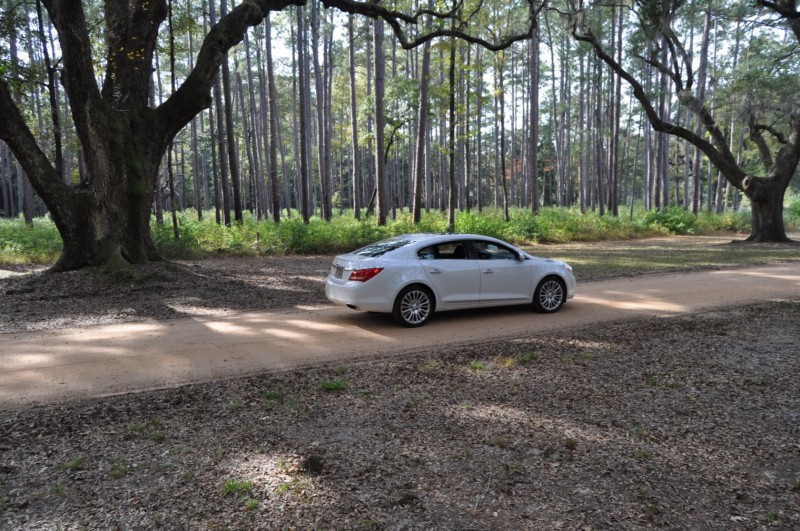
x,y
273,395
236,487
333,385
39,243
674,220
477,365
792,211
251,505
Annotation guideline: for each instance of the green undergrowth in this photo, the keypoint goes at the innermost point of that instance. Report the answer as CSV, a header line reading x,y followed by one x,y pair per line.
x,y
40,243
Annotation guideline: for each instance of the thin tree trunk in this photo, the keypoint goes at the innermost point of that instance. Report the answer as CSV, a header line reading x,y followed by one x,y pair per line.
x,y
357,193
223,160
420,163
170,171
501,97
254,136
451,146
478,128
197,175
533,143
380,78
702,73
304,113
230,136
52,89
274,139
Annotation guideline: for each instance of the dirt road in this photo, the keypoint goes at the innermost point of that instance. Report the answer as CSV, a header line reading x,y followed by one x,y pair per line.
x,y
46,367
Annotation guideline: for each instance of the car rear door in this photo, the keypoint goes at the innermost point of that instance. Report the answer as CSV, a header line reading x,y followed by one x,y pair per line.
x,y
451,272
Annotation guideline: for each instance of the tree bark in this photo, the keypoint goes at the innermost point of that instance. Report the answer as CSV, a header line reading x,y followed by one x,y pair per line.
x,y
420,165
357,193
274,140
533,142
380,78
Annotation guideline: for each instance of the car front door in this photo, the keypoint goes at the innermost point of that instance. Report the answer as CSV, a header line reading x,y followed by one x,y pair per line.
x,y
504,277
453,275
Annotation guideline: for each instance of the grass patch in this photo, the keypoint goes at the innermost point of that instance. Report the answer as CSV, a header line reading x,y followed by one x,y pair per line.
x,y
298,487
236,487
251,505
150,429
333,385
275,396
515,468
504,362
499,442
119,468
73,465
643,454
476,365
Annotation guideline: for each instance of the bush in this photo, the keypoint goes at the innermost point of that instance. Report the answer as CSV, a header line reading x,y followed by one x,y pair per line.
x,y
675,220
20,243
792,211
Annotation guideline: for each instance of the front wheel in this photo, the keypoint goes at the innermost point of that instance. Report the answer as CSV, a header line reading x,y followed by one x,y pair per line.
x,y
550,295
413,306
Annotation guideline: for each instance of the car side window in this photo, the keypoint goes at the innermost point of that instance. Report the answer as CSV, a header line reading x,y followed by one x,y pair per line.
x,y
430,252
443,251
493,251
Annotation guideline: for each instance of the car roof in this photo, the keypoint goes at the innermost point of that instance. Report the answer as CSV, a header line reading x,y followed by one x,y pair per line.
x,y
425,236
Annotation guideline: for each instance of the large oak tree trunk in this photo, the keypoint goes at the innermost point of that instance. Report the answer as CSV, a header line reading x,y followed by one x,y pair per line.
x,y
109,219
766,199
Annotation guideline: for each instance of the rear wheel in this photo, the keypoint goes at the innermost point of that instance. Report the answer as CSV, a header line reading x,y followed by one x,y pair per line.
x,y
550,295
413,306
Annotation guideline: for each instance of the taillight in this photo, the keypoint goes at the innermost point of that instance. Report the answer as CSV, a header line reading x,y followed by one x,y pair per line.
x,y
362,275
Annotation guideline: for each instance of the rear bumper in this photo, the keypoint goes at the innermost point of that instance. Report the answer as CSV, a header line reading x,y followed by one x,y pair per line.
x,y
358,295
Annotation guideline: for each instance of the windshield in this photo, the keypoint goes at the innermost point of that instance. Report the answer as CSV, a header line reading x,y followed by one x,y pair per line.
x,y
382,247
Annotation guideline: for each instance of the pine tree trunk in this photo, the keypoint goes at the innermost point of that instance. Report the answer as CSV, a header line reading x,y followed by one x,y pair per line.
x,y
533,143
302,66
420,166
382,209
274,139
357,193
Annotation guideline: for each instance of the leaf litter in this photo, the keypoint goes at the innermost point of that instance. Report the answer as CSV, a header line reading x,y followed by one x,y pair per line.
x,y
688,422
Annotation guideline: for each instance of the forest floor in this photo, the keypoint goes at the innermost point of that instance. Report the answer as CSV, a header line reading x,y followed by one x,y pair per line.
x,y
687,422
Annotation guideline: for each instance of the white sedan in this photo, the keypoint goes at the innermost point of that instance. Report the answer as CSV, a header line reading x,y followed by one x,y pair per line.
x,y
412,276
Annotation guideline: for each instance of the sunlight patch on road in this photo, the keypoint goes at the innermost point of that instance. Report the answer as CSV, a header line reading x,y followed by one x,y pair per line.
x,y
643,302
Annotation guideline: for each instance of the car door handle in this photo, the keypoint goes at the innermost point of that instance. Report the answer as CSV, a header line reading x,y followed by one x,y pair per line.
x,y
488,272
436,271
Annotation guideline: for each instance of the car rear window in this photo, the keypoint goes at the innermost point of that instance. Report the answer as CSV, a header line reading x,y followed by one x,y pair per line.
x,y
382,247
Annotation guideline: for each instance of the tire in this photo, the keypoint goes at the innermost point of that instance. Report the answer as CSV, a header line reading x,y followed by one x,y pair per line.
x,y
413,306
550,295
